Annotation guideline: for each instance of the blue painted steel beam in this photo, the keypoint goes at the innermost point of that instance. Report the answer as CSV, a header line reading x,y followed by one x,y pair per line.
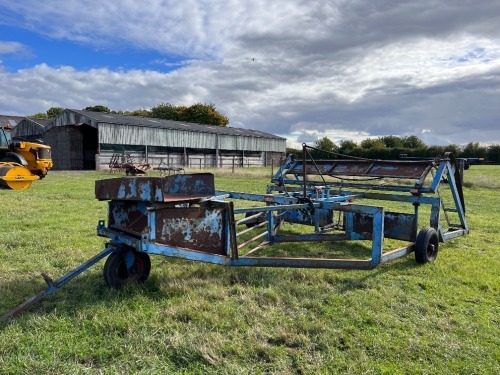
x,y
119,237
300,206
401,198
456,197
397,253
304,263
314,237
258,261
453,234
362,186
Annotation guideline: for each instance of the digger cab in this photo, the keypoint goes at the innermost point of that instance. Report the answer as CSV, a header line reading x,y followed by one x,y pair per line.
x,y
5,138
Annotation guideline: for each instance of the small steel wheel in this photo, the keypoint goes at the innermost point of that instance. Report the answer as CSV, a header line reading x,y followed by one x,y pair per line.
x,y
116,273
427,245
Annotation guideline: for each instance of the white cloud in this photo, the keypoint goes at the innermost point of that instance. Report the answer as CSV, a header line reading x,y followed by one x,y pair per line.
x,y
9,48
189,27
301,69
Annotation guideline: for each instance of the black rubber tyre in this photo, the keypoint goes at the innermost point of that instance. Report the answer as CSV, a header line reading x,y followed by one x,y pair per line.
x,y
8,159
12,157
115,270
427,245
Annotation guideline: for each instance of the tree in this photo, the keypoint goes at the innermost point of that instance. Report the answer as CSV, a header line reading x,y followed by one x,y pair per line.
x,y
372,143
293,151
413,142
474,150
197,113
204,114
347,146
167,111
140,112
494,153
39,115
98,108
435,150
456,150
54,112
392,141
326,149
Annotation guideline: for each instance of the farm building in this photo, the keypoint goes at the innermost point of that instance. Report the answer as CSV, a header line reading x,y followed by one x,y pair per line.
x,y
30,128
90,140
10,121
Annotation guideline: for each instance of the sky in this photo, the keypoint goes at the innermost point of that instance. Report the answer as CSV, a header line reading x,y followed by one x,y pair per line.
x,y
304,70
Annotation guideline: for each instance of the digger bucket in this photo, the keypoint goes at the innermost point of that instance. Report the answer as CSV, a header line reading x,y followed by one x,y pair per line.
x,y
14,176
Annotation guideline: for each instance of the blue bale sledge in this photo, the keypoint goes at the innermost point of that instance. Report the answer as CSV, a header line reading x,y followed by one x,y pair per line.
x,y
328,201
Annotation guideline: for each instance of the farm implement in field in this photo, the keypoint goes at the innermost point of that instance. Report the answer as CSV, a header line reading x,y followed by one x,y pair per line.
x,y
308,202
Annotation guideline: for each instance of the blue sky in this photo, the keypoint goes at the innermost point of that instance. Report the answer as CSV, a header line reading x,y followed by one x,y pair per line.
x,y
302,69
62,52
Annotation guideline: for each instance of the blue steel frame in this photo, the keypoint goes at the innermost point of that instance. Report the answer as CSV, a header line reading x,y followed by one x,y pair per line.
x,y
442,169
326,199
148,244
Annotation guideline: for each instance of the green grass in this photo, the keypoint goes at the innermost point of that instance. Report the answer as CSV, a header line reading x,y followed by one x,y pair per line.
x,y
401,318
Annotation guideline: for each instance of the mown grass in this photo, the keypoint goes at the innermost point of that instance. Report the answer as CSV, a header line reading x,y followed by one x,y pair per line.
x,y
190,317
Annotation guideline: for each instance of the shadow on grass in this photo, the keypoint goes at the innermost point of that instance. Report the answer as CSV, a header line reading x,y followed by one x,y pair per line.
x,y
180,277
19,290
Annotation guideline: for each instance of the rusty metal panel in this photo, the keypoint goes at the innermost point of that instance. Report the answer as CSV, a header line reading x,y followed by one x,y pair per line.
x,y
194,228
130,188
128,216
198,184
398,169
397,225
347,167
363,168
322,165
177,188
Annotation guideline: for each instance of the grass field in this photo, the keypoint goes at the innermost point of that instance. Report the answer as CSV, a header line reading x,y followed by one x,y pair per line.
x,y
401,318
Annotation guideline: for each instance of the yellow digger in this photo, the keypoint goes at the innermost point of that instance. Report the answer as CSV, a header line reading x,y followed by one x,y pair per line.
x,y
22,162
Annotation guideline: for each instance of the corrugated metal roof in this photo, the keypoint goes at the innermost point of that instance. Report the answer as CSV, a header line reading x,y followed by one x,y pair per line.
x,y
30,126
40,121
114,118
9,120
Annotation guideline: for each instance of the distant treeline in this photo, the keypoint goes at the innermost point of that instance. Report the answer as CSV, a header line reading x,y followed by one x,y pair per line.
x,y
391,147
198,113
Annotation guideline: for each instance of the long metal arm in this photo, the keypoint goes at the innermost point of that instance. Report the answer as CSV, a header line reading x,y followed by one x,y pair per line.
x,y
52,286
